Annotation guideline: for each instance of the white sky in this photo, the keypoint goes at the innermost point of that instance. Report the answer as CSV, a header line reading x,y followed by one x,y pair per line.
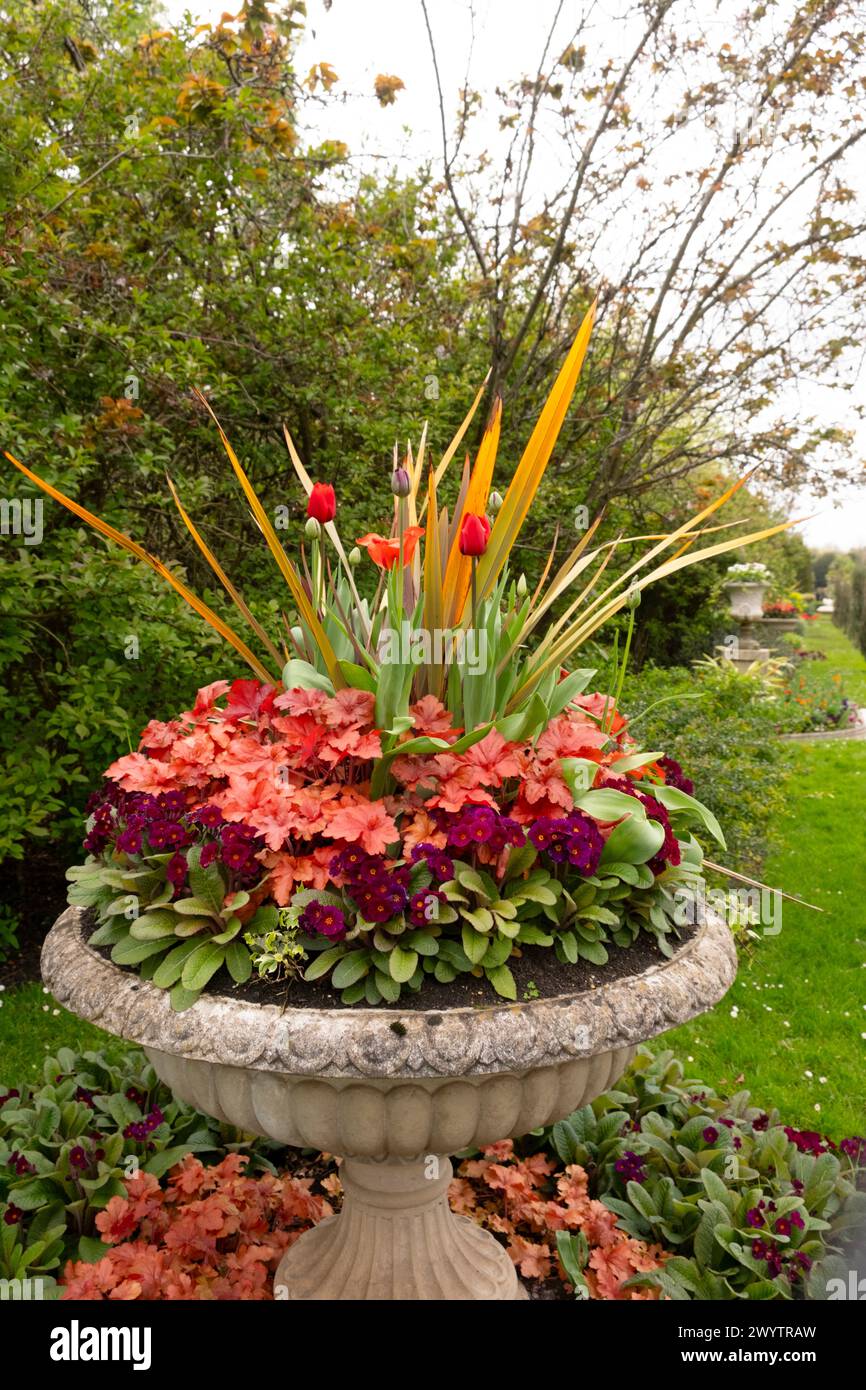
x,y
361,38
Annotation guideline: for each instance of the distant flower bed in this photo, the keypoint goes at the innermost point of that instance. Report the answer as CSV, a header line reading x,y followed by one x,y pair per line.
x,y
806,709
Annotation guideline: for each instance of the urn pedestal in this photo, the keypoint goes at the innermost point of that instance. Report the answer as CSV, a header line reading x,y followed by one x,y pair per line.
x,y
394,1093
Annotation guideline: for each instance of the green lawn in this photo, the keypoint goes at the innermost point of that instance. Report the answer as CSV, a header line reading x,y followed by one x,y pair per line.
x,y
843,658
798,1036
33,1027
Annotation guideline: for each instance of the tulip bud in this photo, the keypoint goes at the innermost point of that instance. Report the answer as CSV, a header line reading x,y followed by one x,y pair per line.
x,y
354,556
313,529
322,503
494,502
521,586
400,484
474,534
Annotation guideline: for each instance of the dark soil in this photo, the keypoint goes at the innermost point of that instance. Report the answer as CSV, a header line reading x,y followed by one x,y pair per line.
x,y
538,975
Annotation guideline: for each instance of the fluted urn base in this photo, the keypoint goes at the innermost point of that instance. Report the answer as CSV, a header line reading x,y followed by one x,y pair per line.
x,y
396,1238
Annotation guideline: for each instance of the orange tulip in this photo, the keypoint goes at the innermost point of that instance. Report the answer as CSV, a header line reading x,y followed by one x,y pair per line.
x,y
384,551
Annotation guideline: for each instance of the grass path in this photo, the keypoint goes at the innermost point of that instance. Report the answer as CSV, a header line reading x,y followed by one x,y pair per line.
x,y
793,1026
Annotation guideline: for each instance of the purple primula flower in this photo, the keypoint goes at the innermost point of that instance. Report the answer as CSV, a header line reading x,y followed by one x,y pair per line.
x,y
630,1167
574,838
322,919
807,1141
129,840
176,870
674,775
424,906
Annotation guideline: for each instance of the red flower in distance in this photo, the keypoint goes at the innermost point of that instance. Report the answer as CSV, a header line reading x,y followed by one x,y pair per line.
x,y
474,534
322,503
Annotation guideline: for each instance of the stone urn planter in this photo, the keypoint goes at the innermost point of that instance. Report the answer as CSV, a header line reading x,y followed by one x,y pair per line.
x,y
393,1092
746,600
775,626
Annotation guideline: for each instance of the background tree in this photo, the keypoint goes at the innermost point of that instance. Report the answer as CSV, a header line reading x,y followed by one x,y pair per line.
x,y
697,170
167,223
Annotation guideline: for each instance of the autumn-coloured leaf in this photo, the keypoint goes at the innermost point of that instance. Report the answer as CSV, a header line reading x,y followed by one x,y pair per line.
x,y
387,87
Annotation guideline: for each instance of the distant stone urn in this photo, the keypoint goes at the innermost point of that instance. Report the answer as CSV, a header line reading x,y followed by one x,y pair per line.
x,y
393,1093
746,600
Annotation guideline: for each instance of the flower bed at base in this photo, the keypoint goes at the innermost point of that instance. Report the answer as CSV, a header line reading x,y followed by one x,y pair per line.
x,y
660,1188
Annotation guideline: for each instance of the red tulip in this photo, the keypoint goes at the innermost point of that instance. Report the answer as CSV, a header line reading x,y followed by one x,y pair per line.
x,y
322,504
474,534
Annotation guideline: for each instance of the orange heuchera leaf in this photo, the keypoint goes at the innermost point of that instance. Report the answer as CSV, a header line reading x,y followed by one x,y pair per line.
x,y
366,823
532,1258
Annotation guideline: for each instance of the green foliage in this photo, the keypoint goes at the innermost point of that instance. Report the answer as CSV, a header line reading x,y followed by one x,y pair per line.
x,y
178,944
9,928
67,1144
273,942
739,771
91,647
847,580
706,1177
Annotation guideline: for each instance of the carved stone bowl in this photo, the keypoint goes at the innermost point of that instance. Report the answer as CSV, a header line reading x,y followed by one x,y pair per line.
x,y
394,1093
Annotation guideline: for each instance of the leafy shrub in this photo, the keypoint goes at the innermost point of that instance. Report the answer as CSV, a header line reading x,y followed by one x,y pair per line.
x,y
739,771
67,1145
847,579
9,927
